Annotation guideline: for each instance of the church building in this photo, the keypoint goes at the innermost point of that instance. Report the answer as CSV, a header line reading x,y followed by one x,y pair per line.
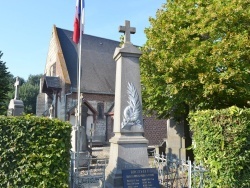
x,y
58,86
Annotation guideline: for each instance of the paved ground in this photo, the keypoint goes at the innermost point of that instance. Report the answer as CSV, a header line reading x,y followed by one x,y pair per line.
x,y
101,152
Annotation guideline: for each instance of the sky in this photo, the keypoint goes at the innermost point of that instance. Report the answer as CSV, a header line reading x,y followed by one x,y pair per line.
x,y
26,26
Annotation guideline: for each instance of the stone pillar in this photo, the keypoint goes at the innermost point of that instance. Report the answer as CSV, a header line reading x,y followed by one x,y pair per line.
x,y
175,146
40,101
79,137
128,147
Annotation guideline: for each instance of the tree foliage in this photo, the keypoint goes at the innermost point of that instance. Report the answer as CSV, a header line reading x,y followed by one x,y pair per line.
x,y
4,86
28,93
197,55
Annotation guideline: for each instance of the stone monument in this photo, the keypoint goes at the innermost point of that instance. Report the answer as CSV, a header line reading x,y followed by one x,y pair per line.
x,y
79,137
128,147
16,106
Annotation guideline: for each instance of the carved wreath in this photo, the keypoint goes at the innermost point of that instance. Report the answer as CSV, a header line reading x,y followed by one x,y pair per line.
x,y
131,113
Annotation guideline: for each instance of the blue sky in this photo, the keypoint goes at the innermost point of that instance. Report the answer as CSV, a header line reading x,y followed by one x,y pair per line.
x,y
26,26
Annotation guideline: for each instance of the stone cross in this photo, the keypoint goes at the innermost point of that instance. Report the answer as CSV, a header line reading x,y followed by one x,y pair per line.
x,y
17,84
127,30
16,106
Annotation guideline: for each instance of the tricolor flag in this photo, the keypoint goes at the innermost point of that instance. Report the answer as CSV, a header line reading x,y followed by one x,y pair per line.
x,y
79,19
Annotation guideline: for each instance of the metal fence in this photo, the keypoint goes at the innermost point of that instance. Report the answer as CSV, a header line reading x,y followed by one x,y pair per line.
x,y
179,173
172,173
89,175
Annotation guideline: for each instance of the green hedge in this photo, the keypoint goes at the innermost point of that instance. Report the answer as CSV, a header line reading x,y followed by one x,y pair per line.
x,y
222,143
34,152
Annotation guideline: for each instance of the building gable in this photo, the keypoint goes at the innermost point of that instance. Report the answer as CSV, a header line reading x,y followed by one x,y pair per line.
x,y
98,65
55,64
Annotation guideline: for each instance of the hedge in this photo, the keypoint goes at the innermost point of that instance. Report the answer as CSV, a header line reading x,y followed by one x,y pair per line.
x,y
222,143
34,152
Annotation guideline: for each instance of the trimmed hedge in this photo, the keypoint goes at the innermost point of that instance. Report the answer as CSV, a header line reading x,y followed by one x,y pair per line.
x,y
34,152
222,143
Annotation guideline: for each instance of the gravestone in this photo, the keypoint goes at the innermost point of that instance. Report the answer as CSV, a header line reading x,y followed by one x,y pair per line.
x,y
16,106
128,147
175,142
179,139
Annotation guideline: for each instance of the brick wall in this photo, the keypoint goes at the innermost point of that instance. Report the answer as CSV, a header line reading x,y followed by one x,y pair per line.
x,y
155,130
99,97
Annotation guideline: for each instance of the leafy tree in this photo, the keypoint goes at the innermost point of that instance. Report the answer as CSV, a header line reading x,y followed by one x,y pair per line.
x,y
34,79
28,93
197,56
28,90
4,86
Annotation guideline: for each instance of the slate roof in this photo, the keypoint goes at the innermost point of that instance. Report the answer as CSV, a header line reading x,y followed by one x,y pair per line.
x,y
98,65
51,83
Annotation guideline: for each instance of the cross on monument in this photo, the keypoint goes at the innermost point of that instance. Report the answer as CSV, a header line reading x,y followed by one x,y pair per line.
x,y
17,88
127,30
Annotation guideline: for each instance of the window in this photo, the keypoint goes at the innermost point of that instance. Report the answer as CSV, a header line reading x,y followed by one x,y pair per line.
x,y
53,70
100,110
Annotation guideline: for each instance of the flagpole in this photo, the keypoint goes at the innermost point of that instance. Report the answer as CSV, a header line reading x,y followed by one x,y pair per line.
x,y
79,123
79,71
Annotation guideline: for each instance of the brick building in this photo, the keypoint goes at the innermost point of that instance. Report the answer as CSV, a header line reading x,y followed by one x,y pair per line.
x,y
58,87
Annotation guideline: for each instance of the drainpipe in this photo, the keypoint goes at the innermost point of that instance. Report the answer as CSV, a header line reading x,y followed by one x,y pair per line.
x,y
106,127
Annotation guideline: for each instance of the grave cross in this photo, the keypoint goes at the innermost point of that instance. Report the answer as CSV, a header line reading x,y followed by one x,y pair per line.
x,y
127,30
17,88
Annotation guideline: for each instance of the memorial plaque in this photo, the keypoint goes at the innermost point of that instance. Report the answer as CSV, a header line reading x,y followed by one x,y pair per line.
x,y
140,178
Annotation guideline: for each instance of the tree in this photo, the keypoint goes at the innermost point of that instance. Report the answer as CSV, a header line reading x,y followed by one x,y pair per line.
x,y
34,79
28,93
197,56
4,86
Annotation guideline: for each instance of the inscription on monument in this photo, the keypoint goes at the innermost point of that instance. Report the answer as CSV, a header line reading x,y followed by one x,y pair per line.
x,y
140,178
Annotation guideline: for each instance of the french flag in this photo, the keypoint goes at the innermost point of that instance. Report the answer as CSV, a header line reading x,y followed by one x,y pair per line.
x,y
79,19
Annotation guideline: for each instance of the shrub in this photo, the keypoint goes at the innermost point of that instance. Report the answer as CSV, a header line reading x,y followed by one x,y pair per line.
x,y
34,152
222,143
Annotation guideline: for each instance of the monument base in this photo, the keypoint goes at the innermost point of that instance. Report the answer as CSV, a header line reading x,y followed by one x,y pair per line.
x,y
126,152
114,181
16,108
